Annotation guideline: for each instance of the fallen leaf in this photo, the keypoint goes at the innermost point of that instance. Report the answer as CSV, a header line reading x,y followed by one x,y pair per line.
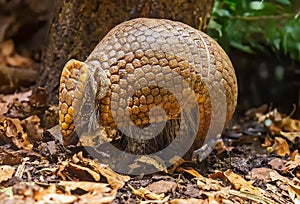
x,y
22,96
291,136
98,198
146,194
239,183
208,185
3,107
281,147
33,128
261,174
257,112
266,174
278,164
18,61
161,186
293,163
115,180
76,172
186,201
7,48
86,186
256,198
268,142
58,198
12,132
294,192
8,157
155,161
190,171
6,172
291,125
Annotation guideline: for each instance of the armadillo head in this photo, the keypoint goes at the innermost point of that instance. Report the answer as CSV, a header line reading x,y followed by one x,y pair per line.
x,y
81,87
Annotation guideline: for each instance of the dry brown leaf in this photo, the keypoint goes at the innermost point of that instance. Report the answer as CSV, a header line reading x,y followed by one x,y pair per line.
x,y
268,142
77,172
280,123
249,196
208,185
161,186
85,185
18,61
155,161
261,174
146,194
95,169
10,58
176,161
7,48
6,172
98,198
186,201
191,171
221,147
291,125
291,136
22,96
115,180
33,128
294,162
12,132
53,195
3,108
9,157
219,196
239,183
58,198
257,112
266,174
281,147
278,164
294,191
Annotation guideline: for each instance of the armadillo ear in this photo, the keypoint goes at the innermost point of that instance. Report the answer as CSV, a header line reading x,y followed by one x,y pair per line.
x,y
103,83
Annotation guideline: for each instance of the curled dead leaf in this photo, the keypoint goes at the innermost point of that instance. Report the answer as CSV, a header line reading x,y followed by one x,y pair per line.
x,y
239,183
154,161
294,190
291,136
161,186
146,194
6,172
12,132
115,180
281,147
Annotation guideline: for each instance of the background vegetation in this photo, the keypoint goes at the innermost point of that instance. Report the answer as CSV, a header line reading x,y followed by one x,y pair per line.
x,y
253,26
262,38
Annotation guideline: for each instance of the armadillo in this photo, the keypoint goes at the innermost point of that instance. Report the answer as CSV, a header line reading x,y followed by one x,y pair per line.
x,y
136,57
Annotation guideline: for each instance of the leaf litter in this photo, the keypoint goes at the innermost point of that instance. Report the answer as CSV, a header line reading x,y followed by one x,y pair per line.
x,y
266,171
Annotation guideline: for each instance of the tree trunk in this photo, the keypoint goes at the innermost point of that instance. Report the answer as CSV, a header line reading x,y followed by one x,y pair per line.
x,y
79,25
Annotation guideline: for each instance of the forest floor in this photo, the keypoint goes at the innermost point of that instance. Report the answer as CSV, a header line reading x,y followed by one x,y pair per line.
x,y
257,160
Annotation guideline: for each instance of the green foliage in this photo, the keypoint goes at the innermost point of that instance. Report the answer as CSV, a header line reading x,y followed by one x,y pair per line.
x,y
257,26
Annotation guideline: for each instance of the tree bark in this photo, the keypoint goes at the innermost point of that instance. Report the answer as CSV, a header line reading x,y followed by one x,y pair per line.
x,y
79,25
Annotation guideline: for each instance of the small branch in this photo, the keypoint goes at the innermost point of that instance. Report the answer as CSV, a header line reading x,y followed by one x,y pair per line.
x,y
270,17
